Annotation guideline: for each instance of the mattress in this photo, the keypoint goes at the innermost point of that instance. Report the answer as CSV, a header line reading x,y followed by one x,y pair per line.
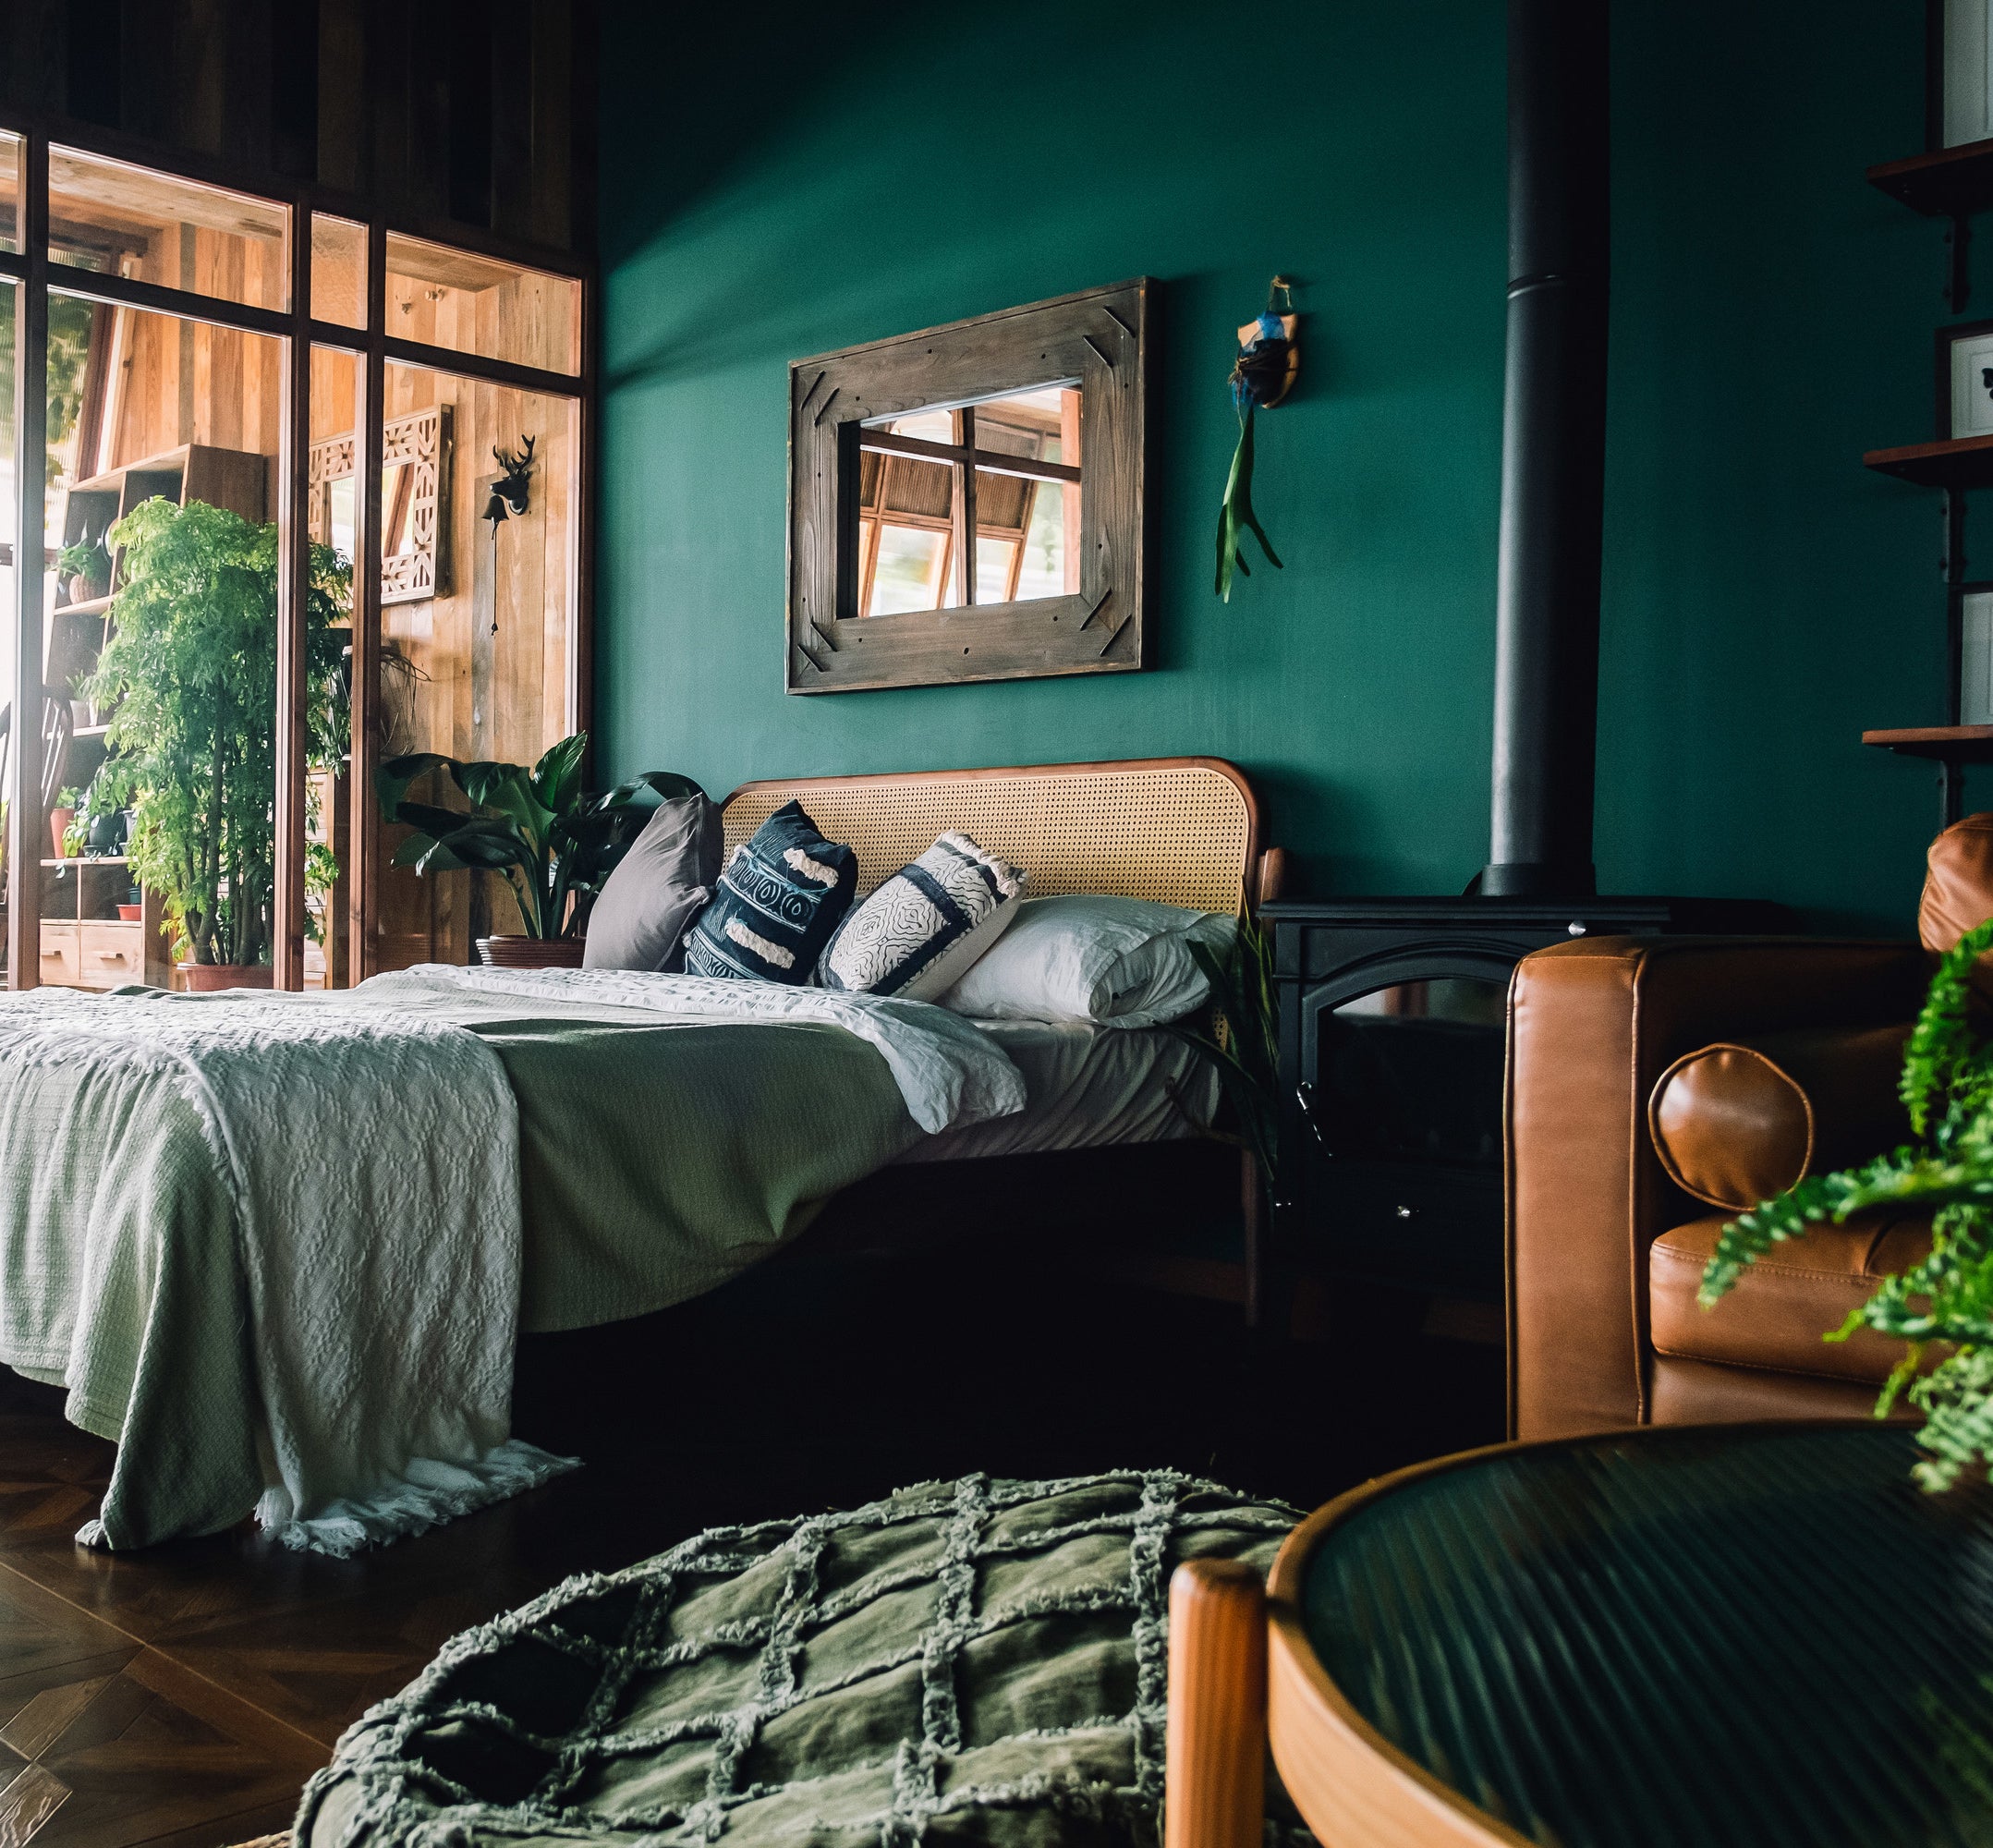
x,y
1086,1087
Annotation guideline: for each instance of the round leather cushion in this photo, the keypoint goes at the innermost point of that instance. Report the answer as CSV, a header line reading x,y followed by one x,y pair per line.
x,y
1958,882
1738,1123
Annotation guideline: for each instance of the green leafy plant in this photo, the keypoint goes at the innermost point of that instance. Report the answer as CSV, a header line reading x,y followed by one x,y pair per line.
x,y
87,560
192,673
551,841
1238,1032
1944,1305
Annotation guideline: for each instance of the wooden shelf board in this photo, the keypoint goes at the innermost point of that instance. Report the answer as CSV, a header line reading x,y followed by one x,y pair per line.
x,y
90,730
1959,744
90,860
1966,463
89,606
1948,184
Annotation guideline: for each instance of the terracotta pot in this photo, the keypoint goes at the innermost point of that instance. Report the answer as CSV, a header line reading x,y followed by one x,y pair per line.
x,y
58,825
529,953
210,978
131,914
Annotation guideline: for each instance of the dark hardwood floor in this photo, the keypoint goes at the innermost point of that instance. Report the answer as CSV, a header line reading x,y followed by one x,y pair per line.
x,y
181,1696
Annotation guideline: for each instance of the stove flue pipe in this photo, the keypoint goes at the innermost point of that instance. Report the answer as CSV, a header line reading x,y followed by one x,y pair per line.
x,y
1552,452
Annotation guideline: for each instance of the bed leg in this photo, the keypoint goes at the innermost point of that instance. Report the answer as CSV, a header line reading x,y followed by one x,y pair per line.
x,y
1215,1749
1253,1211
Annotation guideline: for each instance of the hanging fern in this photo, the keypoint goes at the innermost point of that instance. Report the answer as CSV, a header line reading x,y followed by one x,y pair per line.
x,y
1943,1306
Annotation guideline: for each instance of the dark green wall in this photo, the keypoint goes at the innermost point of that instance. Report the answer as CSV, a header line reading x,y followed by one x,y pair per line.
x,y
1766,598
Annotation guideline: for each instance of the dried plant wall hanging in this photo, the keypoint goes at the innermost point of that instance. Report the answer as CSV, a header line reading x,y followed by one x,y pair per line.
x,y
1262,376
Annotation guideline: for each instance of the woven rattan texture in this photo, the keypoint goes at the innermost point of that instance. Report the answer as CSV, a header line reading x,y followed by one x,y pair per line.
x,y
969,1662
1177,834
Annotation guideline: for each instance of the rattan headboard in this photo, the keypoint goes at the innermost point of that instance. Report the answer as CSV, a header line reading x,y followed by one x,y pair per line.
x,y
1181,829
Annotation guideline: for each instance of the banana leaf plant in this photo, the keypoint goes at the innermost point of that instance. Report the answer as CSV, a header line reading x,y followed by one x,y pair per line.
x,y
550,840
1238,1034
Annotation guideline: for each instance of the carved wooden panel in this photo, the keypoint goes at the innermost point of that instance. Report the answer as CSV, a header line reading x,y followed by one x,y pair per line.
x,y
840,406
421,567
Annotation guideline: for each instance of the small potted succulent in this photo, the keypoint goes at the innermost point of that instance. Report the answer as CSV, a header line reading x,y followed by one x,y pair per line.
x,y
87,568
553,842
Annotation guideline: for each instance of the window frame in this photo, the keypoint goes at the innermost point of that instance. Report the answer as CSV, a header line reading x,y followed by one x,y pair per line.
x,y
30,270
1095,338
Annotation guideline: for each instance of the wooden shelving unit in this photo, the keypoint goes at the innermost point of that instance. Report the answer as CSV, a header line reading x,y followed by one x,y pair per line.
x,y
1956,744
1949,182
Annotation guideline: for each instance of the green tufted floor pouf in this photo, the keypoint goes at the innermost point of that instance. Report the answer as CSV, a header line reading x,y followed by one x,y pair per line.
x,y
968,1662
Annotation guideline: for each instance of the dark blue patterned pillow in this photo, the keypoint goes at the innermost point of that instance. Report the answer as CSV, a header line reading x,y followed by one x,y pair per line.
x,y
778,901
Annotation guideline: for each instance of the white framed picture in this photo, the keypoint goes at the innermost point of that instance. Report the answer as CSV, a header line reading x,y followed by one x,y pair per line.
x,y
1968,71
1965,380
1976,658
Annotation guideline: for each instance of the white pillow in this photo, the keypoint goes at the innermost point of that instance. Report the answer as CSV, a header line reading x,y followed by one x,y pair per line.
x,y
1122,962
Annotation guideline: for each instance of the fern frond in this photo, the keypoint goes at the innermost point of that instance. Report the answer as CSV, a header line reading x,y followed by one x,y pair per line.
x,y
1942,1045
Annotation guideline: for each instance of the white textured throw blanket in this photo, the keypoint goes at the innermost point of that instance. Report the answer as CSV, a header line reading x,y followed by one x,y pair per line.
x,y
369,1162
272,1244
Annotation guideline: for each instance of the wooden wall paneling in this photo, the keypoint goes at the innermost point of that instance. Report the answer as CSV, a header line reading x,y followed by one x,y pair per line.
x,y
471,112
429,109
551,218
248,79
200,73
34,53
512,102
386,91
145,49
343,153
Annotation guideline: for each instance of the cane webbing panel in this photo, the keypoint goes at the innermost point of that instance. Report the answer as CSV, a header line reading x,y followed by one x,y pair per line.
x,y
1179,833
970,1664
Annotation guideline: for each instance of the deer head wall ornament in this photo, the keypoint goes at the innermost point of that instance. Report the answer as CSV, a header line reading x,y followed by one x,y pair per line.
x,y
511,493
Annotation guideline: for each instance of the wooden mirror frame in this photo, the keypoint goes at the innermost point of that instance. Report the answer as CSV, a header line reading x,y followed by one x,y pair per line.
x,y
1098,337
420,443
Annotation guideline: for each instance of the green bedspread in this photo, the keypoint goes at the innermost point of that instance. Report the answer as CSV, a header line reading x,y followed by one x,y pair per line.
x,y
656,1158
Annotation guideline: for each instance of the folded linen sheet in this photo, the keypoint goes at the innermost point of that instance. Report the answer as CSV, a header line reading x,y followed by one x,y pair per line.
x,y
144,1138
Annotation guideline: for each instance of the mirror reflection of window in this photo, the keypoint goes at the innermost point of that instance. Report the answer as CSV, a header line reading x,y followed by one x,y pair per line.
x,y
397,527
1009,462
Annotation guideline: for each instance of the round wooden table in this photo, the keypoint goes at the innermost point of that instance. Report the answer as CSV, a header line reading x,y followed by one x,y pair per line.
x,y
1689,1636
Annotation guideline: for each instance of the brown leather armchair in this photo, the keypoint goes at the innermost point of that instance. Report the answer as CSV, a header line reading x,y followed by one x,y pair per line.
x,y
1606,1248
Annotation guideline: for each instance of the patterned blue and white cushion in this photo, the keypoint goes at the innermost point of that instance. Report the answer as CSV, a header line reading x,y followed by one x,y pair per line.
x,y
777,902
919,932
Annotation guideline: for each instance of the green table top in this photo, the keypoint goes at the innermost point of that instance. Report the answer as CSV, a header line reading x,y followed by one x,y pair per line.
x,y
1687,1637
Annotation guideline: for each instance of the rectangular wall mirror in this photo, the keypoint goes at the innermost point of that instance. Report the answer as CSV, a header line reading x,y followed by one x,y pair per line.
x,y
966,502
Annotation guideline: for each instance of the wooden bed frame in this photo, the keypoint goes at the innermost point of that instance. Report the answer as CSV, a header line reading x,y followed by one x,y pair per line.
x,y
1175,829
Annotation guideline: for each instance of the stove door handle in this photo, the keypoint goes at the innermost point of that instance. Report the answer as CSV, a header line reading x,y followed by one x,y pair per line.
x,y
1305,1097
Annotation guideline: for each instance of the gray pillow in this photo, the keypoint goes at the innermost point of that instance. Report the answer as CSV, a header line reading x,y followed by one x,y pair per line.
x,y
661,885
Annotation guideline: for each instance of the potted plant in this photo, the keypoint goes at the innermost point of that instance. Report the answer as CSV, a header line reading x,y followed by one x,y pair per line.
x,y
1942,1308
190,674
61,813
553,843
87,568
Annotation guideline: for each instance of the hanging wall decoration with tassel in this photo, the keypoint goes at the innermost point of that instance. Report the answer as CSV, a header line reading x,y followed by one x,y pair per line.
x,y
1262,376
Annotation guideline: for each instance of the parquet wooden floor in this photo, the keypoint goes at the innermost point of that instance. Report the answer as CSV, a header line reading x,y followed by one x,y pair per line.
x,y
178,1697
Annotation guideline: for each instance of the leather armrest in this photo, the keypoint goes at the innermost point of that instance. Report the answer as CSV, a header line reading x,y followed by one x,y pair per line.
x,y
1592,1024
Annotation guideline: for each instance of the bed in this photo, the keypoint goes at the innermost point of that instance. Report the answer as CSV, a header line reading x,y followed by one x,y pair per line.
x,y
407,1177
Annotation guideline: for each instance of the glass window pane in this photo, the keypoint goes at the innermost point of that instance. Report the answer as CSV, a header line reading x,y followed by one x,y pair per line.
x,y
339,271
445,297
911,570
128,220
163,441
996,560
1047,569
329,809
9,192
474,657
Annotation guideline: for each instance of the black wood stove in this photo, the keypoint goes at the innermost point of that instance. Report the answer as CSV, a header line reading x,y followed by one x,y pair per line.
x,y
1392,1009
